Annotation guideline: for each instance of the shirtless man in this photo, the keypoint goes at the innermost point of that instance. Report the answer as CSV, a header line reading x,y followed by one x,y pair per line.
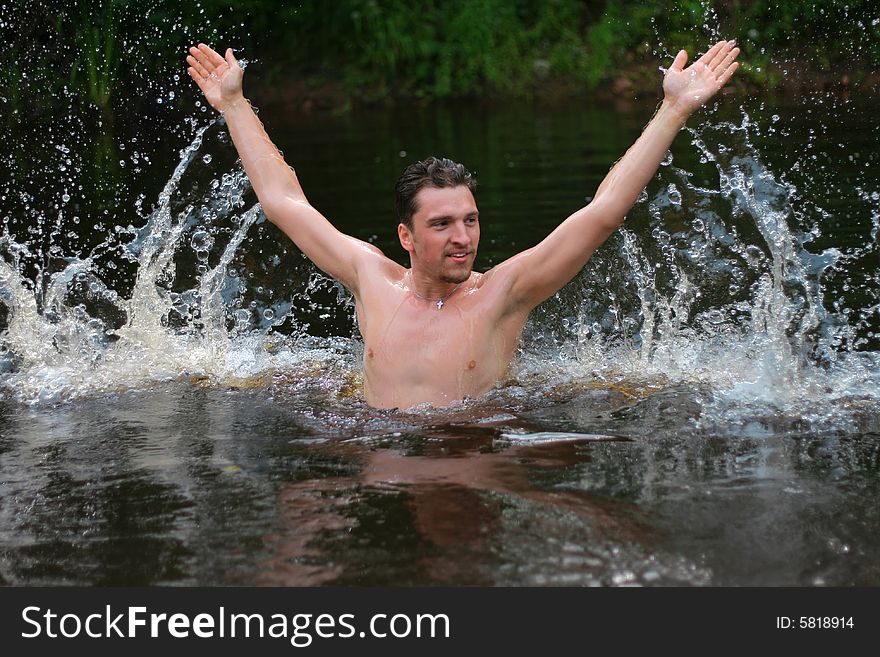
x,y
438,331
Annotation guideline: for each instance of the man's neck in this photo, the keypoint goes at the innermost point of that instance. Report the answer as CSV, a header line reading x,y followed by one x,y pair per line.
x,y
431,289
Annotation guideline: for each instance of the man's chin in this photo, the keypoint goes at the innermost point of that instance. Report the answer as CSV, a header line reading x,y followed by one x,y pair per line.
x,y
456,277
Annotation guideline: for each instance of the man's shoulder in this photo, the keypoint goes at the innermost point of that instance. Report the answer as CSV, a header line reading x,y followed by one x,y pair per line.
x,y
504,273
499,284
380,270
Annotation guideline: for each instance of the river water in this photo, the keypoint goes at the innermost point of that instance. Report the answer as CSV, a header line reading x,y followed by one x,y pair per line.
x,y
180,391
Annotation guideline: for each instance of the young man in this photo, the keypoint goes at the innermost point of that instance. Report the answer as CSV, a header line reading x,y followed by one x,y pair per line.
x,y
438,331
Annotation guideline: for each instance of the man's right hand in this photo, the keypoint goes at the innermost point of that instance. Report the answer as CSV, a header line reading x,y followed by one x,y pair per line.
x,y
218,78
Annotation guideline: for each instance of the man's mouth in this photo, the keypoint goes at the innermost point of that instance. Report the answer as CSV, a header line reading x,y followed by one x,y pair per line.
x,y
460,256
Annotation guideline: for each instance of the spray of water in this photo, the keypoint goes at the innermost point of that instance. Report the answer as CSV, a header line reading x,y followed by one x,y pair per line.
x,y
698,306
718,291
56,350
746,317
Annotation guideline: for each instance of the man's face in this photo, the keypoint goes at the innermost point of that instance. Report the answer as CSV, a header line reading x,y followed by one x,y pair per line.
x,y
445,235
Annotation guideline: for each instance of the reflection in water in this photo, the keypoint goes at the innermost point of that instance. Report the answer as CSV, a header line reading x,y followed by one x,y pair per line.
x,y
439,516
203,486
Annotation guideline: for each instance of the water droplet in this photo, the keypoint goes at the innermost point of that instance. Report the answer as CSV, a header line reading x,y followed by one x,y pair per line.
x,y
202,240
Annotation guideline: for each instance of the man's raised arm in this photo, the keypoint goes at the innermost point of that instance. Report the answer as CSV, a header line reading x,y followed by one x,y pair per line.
x,y
540,271
274,182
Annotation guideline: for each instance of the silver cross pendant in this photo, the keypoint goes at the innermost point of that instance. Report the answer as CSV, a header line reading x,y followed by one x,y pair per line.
x,y
439,304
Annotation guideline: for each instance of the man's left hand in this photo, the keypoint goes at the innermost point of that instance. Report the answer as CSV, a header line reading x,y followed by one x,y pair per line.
x,y
686,89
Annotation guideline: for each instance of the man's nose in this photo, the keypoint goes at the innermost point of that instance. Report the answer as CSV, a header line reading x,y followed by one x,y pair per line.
x,y
460,233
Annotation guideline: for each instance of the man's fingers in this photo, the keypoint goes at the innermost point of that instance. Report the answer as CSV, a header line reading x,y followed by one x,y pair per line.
x,y
679,61
195,64
230,58
214,58
202,63
721,55
728,60
710,54
726,67
724,77
197,77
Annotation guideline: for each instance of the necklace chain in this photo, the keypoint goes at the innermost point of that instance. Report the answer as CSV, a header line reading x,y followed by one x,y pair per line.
x,y
440,301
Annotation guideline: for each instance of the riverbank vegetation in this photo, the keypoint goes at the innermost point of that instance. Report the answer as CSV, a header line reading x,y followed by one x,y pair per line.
x,y
375,51
384,49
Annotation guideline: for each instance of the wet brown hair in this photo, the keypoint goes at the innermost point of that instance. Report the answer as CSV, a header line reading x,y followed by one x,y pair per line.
x,y
435,172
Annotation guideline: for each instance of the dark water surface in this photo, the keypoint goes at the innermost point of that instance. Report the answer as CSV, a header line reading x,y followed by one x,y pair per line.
x,y
185,485
699,407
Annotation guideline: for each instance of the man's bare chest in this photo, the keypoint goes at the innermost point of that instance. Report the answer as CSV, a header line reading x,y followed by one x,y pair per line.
x,y
418,351
420,332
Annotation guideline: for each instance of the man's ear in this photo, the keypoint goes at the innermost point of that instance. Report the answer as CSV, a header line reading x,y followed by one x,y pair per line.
x,y
405,236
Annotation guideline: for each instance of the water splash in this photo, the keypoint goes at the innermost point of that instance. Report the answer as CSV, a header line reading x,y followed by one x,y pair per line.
x,y
719,292
55,350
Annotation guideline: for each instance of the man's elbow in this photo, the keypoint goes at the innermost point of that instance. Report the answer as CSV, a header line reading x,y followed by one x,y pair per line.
x,y
606,214
614,221
279,208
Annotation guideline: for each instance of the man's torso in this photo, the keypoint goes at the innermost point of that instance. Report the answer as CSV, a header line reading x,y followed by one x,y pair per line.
x,y
415,352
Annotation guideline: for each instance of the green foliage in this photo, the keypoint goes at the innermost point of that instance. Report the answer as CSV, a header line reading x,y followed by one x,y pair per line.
x,y
465,47
436,49
97,54
73,50
432,49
